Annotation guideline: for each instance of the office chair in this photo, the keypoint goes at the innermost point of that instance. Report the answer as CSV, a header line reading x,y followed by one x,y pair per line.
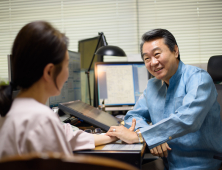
x,y
214,68
58,161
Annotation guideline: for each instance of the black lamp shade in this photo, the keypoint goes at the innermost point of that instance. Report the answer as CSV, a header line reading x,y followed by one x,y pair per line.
x,y
111,51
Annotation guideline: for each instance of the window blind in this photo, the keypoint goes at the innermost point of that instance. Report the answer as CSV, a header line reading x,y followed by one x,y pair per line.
x,y
196,25
78,19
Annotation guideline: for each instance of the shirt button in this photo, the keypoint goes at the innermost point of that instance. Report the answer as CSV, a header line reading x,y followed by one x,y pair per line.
x,y
170,138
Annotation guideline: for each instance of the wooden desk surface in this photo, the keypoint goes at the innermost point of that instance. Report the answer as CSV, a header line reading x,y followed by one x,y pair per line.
x,y
103,147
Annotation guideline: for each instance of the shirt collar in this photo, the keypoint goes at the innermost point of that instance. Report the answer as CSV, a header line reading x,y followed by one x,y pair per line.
x,y
178,72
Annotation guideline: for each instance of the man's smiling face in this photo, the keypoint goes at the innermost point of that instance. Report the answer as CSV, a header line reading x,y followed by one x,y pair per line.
x,y
159,60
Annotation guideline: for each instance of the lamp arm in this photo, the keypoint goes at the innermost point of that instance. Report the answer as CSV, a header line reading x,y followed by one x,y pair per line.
x,y
105,44
104,39
87,72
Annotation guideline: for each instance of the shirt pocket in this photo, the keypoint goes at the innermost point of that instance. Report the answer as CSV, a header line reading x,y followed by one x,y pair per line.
x,y
178,101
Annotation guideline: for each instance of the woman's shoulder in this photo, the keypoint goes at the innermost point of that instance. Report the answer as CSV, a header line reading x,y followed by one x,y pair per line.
x,y
27,115
30,109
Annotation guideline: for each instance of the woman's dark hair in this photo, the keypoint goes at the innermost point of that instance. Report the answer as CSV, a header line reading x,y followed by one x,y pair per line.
x,y
36,45
169,39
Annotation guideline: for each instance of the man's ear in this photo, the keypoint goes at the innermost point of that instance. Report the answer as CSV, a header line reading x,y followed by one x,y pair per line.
x,y
176,50
48,72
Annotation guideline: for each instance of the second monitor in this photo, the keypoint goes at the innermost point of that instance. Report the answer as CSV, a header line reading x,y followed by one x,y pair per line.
x,y
119,83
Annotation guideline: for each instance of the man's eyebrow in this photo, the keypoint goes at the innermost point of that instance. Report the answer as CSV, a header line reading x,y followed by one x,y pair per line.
x,y
143,54
156,48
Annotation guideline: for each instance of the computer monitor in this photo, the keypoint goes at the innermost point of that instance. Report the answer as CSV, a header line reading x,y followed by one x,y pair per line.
x,y
89,114
86,48
72,87
10,76
119,83
9,57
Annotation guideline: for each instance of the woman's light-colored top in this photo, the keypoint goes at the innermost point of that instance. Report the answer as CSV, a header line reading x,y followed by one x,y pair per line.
x,y
30,126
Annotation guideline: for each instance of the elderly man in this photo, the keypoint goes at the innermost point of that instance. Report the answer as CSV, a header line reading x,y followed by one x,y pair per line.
x,y
181,102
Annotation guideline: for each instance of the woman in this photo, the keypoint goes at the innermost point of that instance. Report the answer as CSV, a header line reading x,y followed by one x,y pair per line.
x,y
40,67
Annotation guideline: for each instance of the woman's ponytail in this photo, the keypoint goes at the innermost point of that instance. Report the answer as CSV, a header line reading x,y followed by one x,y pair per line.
x,y
5,99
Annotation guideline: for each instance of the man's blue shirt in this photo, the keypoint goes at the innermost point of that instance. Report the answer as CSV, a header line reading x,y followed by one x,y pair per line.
x,y
186,115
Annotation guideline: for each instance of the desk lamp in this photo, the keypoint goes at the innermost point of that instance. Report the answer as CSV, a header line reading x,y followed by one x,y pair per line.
x,y
104,50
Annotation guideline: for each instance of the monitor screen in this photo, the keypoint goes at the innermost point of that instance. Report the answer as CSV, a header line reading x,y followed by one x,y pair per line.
x,y
87,48
10,76
89,114
72,87
119,83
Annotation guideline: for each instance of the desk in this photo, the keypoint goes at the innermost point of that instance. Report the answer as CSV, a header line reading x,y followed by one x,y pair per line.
x,y
133,157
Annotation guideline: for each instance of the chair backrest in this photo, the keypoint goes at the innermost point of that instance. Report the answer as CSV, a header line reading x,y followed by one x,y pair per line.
x,y
219,97
58,161
214,68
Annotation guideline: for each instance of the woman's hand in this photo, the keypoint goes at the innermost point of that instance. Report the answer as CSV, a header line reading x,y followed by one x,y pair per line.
x,y
161,150
103,139
124,134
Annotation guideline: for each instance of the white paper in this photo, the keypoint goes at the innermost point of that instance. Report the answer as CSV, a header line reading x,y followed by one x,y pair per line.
x,y
123,147
134,57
